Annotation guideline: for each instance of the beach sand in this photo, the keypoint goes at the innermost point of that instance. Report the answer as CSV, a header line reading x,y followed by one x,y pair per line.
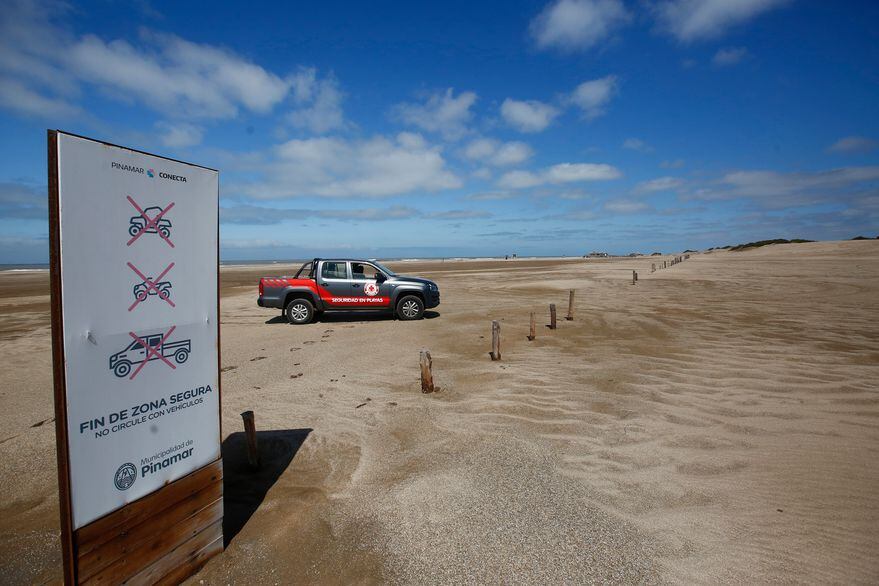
x,y
716,422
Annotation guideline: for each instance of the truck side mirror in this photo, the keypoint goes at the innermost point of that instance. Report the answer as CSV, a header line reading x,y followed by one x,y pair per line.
x,y
380,278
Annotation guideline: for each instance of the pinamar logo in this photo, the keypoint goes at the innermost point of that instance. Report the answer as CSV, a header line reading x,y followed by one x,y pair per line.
x,y
125,476
151,173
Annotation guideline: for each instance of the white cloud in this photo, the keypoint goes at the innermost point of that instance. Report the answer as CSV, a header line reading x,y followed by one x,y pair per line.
x,y
171,73
729,56
673,164
443,113
520,180
22,99
491,196
592,96
626,206
559,174
319,102
776,190
44,69
853,144
497,153
332,167
636,144
572,25
529,115
659,184
178,135
696,20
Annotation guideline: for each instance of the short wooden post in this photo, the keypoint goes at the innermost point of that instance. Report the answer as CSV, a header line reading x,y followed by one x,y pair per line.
x,y
250,433
495,340
634,277
570,315
653,267
426,374
533,332
552,324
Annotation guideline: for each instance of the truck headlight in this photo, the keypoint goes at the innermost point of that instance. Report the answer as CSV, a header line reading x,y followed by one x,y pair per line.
x,y
433,287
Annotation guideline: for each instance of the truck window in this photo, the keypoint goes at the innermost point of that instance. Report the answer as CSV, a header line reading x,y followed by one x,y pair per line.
x,y
363,272
306,271
334,270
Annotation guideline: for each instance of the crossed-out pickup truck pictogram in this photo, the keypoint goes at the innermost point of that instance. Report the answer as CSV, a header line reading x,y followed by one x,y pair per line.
x,y
144,349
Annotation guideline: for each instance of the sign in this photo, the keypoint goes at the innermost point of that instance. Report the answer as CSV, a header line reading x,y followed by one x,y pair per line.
x,y
134,268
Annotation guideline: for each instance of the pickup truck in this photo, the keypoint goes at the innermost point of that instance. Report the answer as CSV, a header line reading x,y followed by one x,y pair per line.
x,y
135,353
344,285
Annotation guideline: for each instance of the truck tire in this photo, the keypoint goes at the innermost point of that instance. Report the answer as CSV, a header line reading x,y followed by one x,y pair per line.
x,y
180,356
410,307
122,369
299,311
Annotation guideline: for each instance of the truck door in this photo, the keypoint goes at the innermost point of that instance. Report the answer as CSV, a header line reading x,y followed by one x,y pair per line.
x,y
335,283
369,285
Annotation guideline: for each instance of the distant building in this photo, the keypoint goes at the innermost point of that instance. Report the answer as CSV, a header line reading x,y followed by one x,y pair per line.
x,y
598,255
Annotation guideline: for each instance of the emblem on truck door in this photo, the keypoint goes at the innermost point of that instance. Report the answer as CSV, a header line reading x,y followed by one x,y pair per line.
x,y
371,289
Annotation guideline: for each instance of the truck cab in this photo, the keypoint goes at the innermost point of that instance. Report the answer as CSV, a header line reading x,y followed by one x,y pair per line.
x,y
350,285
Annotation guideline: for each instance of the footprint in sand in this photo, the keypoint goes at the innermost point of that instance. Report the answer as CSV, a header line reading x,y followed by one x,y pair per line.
x,y
257,358
296,375
43,422
228,368
308,342
294,349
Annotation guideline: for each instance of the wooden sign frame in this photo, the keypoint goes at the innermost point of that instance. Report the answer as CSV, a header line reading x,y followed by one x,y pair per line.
x,y
163,537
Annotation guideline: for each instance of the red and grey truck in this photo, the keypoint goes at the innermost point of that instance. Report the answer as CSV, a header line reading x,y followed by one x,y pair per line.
x,y
347,285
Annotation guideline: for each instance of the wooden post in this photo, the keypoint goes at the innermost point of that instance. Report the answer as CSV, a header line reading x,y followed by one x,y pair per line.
x,y
250,432
653,267
426,374
552,324
495,340
533,332
570,315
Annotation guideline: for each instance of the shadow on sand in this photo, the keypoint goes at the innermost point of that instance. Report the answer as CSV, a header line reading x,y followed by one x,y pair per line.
x,y
335,317
244,488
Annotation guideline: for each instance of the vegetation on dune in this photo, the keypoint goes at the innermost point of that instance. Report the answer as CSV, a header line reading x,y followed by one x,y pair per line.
x,y
864,238
760,243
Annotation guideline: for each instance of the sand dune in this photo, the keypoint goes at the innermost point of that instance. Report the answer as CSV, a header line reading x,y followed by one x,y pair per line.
x,y
716,422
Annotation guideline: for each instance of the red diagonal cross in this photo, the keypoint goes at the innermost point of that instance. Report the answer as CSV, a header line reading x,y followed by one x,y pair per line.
x,y
150,222
151,285
151,350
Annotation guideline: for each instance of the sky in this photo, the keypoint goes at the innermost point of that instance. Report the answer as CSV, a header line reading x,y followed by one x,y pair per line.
x,y
404,130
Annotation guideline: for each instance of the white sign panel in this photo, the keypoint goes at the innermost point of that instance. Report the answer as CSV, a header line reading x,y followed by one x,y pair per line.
x,y
139,304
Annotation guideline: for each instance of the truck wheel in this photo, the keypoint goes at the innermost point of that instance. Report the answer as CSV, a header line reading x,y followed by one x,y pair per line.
x,y
180,356
133,229
410,307
299,311
122,369
165,232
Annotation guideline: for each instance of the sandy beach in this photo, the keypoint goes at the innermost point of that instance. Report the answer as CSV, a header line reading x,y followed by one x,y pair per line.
x,y
716,422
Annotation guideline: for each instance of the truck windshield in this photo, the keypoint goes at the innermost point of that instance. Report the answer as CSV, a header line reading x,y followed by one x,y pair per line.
x,y
384,269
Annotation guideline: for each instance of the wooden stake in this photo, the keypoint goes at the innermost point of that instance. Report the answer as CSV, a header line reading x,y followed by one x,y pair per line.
x,y
552,325
250,432
495,340
533,333
426,374
570,315
653,267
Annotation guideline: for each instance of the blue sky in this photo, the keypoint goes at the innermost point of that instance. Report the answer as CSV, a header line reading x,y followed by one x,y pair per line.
x,y
460,128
